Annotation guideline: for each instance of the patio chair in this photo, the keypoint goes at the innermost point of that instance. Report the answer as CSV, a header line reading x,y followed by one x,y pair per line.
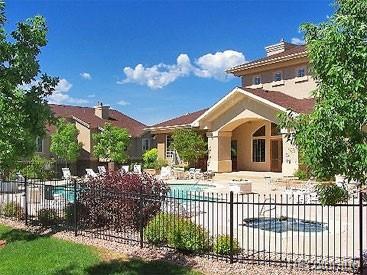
x,y
191,173
208,175
165,173
66,174
125,168
137,168
91,173
102,170
198,174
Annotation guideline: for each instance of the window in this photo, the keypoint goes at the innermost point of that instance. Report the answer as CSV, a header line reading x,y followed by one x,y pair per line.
x,y
39,145
277,76
258,145
256,80
260,132
301,72
145,144
275,131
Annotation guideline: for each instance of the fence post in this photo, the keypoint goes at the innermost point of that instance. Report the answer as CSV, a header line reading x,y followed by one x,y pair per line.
x,y
75,210
141,212
26,200
361,232
231,227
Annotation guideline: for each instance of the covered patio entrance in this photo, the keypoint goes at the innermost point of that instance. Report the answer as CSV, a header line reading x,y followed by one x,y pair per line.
x,y
243,135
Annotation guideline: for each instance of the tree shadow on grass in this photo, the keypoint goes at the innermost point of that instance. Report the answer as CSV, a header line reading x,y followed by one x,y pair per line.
x,y
15,235
135,266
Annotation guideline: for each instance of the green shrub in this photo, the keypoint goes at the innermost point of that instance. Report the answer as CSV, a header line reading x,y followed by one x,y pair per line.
x,y
150,158
178,232
160,163
331,194
302,175
157,229
48,217
38,168
222,245
12,209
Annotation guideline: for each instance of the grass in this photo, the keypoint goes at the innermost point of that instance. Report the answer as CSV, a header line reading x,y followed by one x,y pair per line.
x,y
27,253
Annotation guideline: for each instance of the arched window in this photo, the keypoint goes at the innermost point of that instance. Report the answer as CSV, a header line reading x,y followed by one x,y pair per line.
x,y
39,144
258,145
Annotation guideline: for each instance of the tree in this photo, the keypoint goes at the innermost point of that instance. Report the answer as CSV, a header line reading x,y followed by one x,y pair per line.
x,y
189,144
331,138
24,111
111,143
64,142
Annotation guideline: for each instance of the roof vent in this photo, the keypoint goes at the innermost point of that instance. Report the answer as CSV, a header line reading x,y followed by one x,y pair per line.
x,y
102,111
280,47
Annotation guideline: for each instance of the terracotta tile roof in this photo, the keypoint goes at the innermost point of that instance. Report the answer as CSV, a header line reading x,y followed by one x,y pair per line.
x,y
297,49
304,105
181,120
86,115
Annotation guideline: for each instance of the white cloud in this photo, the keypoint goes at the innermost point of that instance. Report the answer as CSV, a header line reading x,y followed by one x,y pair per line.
x,y
123,103
61,96
214,65
158,76
297,41
86,76
206,66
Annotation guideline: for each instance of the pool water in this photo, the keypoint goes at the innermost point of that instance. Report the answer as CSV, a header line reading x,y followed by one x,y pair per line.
x,y
188,190
180,190
66,192
283,224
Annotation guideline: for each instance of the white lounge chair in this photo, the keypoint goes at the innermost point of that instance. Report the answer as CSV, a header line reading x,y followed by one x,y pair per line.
x,y
165,173
137,168
125,168
198,174
102,170
91,173
191,173
66,174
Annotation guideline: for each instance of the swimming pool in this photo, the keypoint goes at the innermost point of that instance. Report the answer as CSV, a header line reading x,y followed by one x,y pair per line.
x,y
188,190
283,224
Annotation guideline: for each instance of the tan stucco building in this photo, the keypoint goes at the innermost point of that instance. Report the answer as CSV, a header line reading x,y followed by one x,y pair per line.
x,y
241,128
90,121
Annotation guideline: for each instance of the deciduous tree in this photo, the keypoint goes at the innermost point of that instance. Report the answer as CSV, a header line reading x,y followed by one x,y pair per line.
x,y
24,111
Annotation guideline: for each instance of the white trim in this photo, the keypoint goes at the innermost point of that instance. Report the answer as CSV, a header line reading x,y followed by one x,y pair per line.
x,y
237,90
260,63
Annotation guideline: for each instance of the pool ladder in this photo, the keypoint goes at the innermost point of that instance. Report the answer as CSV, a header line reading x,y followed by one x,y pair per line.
x,y
263,211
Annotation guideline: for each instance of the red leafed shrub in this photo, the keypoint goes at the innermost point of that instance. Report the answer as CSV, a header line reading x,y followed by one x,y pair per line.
x,y
121,200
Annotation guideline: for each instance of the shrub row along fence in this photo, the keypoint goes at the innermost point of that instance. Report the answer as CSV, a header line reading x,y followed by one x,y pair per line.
x,y
278,229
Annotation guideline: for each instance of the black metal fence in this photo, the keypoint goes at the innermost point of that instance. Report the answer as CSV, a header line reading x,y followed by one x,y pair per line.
x,y
292,230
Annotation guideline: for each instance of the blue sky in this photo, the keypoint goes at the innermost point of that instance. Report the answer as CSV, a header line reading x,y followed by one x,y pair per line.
x,y
95,47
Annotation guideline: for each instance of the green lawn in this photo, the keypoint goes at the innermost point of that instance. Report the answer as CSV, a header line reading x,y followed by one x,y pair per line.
x,y
26,253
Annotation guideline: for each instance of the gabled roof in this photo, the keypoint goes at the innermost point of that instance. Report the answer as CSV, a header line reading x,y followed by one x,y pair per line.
x,y
273,99
304,105
181,121
86,116
294,52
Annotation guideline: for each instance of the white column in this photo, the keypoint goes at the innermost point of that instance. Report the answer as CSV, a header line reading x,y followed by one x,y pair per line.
x,y
219,151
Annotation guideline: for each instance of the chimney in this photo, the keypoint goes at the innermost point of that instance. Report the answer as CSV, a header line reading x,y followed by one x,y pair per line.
x,y
102,111
280,47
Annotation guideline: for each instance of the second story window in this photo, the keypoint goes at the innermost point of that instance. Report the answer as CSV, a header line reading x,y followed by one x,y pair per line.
x,y
301,72
39,145
256,80
278,76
